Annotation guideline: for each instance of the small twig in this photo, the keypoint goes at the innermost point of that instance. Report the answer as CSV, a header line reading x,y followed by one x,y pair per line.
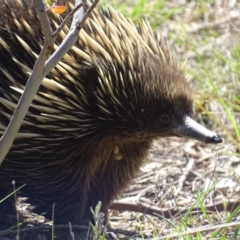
x,y
200,229
17,212
183,177
169,213
125,232
71,231
53,208
43,19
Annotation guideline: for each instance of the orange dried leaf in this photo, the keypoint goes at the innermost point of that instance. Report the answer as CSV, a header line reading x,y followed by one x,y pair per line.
x,y
59,9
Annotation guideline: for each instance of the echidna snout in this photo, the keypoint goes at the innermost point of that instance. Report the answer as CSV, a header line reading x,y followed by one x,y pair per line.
x,y
192,129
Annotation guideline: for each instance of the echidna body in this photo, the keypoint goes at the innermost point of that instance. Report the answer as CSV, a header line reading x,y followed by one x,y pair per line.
x,y
90,126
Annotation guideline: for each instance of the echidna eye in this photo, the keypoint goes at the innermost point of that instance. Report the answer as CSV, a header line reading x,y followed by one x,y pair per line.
x,y
165,119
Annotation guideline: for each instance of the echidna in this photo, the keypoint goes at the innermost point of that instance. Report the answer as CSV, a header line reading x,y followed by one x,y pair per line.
x,y
90,126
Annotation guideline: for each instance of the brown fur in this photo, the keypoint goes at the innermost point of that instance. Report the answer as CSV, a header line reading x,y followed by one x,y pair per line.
x,y
64,152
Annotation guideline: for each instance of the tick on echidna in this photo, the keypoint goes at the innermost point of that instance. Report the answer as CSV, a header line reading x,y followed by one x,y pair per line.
x,y
93,119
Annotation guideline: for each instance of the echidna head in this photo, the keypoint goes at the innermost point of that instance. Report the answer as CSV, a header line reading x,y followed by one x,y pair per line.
x,y
149,98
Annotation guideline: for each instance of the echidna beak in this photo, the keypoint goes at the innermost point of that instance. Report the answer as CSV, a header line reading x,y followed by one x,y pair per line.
x,y
192,129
